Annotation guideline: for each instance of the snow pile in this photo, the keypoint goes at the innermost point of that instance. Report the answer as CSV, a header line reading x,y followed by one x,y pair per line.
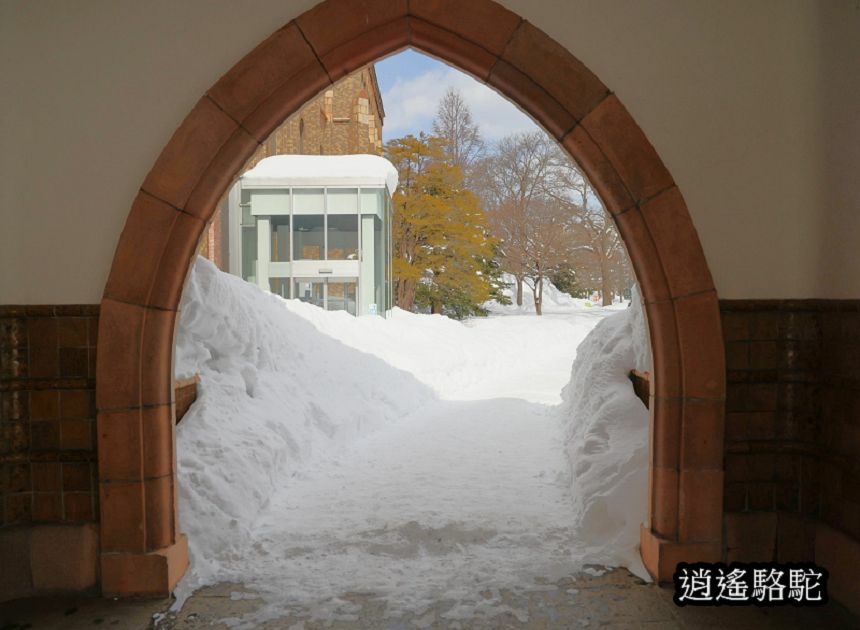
x,y
641,338
274,392
415,457
478,359
607,440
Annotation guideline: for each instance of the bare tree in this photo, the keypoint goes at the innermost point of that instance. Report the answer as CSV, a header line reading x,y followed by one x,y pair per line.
x,y
513,184
548,218
599,252
549,245
509,224
454,124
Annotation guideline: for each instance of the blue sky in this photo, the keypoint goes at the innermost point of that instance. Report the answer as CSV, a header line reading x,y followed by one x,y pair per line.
x,y
412,84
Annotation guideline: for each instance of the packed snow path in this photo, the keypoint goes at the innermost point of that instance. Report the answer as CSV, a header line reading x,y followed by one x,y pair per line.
x,y
460,494
415,458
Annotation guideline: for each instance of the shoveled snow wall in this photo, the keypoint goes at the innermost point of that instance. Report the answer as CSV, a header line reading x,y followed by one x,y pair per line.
x,y
274,392
607,439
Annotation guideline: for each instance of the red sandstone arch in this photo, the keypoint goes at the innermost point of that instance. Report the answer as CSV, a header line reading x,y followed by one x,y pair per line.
x,y
143,551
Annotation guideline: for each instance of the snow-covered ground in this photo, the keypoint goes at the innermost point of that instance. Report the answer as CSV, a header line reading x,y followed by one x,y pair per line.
x,y
554,301
415,457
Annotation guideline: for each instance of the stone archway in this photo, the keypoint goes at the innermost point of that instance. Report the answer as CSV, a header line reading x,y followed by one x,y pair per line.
x,y
143,551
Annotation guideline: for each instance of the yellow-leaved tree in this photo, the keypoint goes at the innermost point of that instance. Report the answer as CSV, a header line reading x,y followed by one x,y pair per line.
x,y
443,254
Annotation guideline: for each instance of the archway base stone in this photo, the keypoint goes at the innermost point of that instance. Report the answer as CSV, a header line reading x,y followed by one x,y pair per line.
x,y
661,555
153,574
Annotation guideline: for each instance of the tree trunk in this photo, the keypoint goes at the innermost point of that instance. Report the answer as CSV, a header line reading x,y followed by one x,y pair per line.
x,y
436,308
539,296
406,294
605,283
519,290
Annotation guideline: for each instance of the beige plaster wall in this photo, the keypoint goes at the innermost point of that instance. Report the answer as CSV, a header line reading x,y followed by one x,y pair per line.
x,y
752,105
838,85
91,91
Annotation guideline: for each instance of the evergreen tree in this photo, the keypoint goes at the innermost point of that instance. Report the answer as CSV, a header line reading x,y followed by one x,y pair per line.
x,y
442,248
566,280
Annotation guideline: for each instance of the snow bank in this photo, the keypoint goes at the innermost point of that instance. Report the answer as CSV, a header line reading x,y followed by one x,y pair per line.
x,y
328,453
274,392
478,359
607,440
640,334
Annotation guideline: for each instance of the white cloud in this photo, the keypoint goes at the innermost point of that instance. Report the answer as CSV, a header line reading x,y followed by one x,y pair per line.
x,y
410,105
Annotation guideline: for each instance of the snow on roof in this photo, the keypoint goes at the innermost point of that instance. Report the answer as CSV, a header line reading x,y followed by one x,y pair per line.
x,y
323,170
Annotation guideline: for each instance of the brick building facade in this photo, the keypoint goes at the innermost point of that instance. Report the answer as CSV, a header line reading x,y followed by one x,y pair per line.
x,y
344,120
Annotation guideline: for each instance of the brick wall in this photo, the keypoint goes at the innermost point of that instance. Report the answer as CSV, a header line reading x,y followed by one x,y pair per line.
x,y
343,120
48,471
792,426
839,400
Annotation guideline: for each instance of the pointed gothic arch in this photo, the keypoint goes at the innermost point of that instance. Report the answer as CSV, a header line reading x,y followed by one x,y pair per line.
x,y
142,549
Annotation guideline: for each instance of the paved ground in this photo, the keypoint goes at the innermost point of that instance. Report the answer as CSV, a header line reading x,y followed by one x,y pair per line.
x,y
614,600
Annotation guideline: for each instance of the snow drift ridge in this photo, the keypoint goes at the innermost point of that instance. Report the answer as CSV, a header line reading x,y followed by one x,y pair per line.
x,y
607,439
259,412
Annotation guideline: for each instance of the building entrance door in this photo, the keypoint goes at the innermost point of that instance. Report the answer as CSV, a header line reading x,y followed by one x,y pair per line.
x,y
341,295
311,290
332,294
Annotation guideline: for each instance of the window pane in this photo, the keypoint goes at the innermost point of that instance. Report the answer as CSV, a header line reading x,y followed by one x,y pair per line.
x,y
280,239
248,220
311,292
269,202
280,286
308,237
343,237
379,247
341,297
308,200
342,201
372,200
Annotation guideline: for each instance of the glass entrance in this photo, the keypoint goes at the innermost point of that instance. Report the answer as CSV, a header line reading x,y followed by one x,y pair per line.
x,y
328,245
332,294
311,290
341,296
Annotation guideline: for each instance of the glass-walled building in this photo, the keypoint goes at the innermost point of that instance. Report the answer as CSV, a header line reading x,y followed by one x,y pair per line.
x,y
316,228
